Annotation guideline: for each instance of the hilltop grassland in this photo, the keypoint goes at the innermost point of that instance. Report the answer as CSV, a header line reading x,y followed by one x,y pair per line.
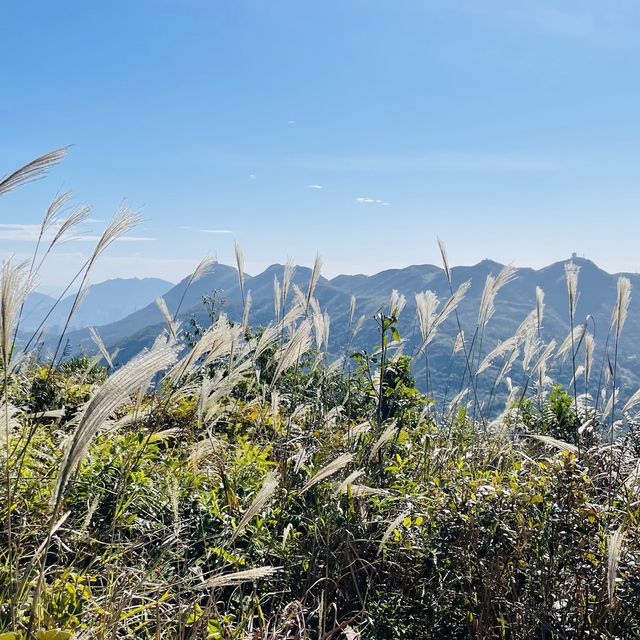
x,y
241,482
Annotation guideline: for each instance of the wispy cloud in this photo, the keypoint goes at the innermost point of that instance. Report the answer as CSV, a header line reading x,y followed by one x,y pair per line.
x,y
19,232
367,200
227,231
314,186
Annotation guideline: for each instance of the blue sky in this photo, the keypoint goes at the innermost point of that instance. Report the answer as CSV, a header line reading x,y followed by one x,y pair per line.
x,y
509,128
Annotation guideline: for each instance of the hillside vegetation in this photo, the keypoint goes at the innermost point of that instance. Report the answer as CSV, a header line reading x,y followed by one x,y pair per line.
x,y
236,481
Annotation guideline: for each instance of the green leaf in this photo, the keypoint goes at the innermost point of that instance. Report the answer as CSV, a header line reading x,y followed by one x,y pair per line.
x,y
53,634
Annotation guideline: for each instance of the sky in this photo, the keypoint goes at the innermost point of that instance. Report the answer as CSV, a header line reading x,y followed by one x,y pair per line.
x,y
359,129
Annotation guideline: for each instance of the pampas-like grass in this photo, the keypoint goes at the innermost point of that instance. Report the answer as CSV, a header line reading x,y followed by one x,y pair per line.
x,y
503,347
291,353
112,394
172,324
385,436
571,271
239,577
16,283
555,443
393,525
327,471
95,336
265,494
614,550
313,280
32,170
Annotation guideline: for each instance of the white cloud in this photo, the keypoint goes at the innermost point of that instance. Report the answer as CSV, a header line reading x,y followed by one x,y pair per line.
x,y
18,232
314,186
206,230
367,200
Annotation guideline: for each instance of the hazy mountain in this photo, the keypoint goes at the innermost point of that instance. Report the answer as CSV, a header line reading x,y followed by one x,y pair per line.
x,y
104,303
596,299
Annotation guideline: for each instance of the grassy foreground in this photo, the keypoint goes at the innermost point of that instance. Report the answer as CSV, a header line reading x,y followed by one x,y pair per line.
x,y
246,484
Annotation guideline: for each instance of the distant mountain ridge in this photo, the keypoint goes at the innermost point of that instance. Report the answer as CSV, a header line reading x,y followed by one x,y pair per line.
x,y
105,302
597,294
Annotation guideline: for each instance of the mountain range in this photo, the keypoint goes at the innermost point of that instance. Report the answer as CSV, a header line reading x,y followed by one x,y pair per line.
x,y
127,317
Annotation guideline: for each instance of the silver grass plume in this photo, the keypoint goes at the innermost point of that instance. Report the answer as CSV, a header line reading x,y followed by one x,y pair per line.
x,y
277,298
52,214
265,494
112,394
16,283
385,437
352,310
555,443
291,352
204,266
247,309
31,171
327,471
452,303
287,276
240,265
395,523
614,550
632,402
445,261
590,345
619,315
172,324
349,480
121,223
239,577
95,336
358,325
571,272
397,303
313,280
574,339
426,306
546,354
300,297
491,290
76,217
539,307
459,342
503,347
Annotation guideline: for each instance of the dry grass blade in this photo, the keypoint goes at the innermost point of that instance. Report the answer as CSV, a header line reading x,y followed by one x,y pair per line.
x,y
16,283
32,170
265,494
623,298
95,336
239,577
349,480
240,265
112,394
172,325
391,528
386,435
555,443
445,261
614,549
204,266
313,280
571,272
333,467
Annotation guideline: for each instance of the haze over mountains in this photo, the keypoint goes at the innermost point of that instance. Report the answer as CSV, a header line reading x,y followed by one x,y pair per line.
x,y
125,313
104,303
